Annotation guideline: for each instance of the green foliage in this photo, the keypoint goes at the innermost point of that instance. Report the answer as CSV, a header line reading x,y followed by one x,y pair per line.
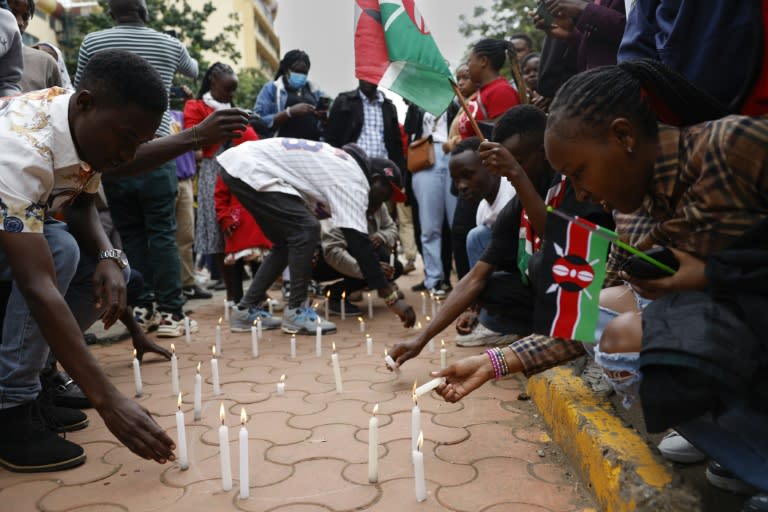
x,y
171,16
501,20
250,81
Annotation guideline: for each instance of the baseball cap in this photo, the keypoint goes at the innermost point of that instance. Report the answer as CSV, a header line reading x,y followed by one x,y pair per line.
x,y
373,167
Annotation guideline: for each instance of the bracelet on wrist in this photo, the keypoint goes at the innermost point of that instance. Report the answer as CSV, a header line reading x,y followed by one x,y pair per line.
x,y
499,364
391,299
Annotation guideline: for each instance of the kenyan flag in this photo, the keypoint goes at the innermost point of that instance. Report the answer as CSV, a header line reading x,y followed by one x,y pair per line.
x,y
577,260
394,48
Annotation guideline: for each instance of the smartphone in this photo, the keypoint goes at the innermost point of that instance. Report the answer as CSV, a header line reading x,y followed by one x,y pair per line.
x,y
543,13
641,269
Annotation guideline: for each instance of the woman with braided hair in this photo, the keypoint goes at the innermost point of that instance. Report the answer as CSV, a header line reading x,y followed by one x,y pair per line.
x,y
291,105
695,189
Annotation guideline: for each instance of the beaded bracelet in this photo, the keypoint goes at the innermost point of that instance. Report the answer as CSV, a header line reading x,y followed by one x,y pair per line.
x,y
391,299
500,368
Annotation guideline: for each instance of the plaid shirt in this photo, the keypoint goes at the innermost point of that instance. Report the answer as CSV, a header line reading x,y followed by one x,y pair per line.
x,y
710,185
372,135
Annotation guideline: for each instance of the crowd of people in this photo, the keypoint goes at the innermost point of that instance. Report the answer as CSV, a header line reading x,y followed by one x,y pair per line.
x,y
611,121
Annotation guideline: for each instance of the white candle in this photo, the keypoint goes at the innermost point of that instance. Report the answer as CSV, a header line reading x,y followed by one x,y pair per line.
x,y
226,469
434,304
429,386
418,471
392,257
423,304
198,395
369,344
370,306
431,345
270,307
258,327
318,339
336,370
373,447
137,375
443,355
226,310
362,323
254,340
181,441
415,419
187,332
215,373
174,371
391,363
245,489
327,298
281,385
293,345
343,305
218,337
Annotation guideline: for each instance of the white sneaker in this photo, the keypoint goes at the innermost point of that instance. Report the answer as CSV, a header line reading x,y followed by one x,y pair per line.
x,y
480,336
147,319
676,448
173,326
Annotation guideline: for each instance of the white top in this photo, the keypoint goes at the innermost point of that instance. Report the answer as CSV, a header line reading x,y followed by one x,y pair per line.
x,y
487,213
325,177
438,128
39,166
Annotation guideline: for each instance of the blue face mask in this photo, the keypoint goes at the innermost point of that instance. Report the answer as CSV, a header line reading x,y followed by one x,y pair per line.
x,y
297,80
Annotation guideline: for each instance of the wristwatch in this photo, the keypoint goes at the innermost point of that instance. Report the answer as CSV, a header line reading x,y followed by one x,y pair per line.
x,y
114,254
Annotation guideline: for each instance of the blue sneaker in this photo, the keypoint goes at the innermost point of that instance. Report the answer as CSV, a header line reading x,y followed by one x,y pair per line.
x,y
304,320
241,320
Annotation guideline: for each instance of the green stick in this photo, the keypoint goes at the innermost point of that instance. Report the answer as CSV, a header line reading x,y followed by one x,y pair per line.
x,y
613,237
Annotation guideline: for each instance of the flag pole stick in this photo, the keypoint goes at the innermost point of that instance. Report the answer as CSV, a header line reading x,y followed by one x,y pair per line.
x,y
517,75
464,107
612,236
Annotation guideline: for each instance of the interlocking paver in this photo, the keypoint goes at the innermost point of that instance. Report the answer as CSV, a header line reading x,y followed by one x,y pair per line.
x,y
308,448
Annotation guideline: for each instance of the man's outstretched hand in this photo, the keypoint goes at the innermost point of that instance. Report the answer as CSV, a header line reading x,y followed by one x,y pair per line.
x,y
464,376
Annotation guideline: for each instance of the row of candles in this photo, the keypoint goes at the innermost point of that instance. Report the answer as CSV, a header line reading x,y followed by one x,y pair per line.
x,y
226,474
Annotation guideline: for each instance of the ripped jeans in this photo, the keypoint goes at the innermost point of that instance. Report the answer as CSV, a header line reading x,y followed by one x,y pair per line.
x,y
622,369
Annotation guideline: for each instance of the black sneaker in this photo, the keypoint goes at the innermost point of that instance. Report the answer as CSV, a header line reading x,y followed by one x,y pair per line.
x,y
334,308
27,446
217,286
421,287
65,391
60,419
195,292
720,477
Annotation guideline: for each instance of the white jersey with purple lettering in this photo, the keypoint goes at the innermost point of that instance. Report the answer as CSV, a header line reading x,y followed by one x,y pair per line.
x,y
325,177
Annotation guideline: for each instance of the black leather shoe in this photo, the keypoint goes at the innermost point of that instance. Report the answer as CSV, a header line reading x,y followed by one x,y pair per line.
x,y
28,446
60,419
419,287
195,292
65,391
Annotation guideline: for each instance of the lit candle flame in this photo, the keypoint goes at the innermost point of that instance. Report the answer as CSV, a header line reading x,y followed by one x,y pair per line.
x,y
375,409
173,348
368,336
344,295
282,378
428,318
328,294
134,353
213,351
333,345
360,319
255,322
385,353
220,319
420,442
179,402
198,368
415,398
442,343
423,294
418,325
243,416
222,415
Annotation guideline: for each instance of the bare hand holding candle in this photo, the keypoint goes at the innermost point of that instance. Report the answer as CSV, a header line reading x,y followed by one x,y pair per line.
x,y
174,371
226,467
198,394
181,441
429,386
373,447
336,370
245,489
137,375
215,373
391,363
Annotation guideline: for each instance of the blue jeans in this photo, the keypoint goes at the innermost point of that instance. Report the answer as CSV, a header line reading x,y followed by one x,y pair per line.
x,y
432,188
24,351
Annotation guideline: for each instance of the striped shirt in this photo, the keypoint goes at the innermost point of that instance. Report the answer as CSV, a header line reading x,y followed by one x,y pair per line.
x,y
165,53
372,135
326,178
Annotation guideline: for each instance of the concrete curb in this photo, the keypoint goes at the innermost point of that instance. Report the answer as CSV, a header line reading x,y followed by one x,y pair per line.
x,y
614,460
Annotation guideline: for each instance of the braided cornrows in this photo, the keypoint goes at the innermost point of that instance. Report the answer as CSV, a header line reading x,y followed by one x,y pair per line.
x,y
643,91
217,69
496,50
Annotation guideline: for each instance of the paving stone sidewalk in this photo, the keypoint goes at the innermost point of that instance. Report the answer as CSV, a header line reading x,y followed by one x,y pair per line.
x,y
308,448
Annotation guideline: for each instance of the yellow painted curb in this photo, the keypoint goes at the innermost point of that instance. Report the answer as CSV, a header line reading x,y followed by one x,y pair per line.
x,y
614,460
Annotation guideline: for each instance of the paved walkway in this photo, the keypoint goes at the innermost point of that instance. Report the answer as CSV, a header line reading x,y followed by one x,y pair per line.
x,y
308,449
